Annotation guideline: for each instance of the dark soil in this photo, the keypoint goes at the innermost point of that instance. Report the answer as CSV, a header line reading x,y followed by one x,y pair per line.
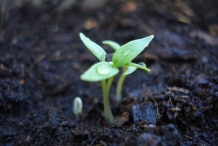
x,y
42,57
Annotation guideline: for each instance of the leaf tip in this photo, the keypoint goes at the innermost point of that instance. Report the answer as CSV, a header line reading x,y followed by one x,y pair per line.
x,y
151,37
104,42
81,34
82,77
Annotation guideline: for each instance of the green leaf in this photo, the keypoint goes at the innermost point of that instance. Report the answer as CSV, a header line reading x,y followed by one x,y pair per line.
x,y
99,71
139,66
127,52
112,44
92,46
129,70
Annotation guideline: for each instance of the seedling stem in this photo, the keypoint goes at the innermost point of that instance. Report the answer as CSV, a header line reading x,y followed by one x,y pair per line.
x,y
107,110
120,85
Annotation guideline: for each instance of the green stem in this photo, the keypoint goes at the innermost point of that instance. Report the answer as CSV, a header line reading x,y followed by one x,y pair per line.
x,y
109,82
107,110
120,85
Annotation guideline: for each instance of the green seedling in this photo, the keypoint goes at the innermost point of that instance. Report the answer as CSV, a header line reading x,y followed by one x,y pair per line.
x,y
105,71
126,70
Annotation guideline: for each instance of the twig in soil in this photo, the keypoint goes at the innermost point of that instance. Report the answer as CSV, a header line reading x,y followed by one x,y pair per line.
x,y
205,108
93,141
178,89
37,61
202,116
176,109
184,123
182,101
157,109
188,137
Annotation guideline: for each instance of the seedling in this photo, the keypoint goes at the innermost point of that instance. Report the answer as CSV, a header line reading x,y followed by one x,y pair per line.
x,y
105,71
77,106
126,70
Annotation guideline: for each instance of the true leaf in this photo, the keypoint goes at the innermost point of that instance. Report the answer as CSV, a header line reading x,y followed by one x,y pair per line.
x,y
99,71
92,46
127,52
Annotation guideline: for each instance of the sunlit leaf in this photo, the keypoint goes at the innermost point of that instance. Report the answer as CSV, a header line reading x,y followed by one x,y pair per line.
x,y
99,71
92,46
127,52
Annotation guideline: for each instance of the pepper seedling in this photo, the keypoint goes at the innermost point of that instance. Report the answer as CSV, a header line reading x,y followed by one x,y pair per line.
x,y
126,70
105,71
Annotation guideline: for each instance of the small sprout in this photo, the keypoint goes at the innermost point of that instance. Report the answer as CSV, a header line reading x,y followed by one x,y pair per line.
x,y
77,106
105,71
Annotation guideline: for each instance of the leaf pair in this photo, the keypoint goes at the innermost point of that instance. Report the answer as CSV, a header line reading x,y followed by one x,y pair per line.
x,y
122,57
131,67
